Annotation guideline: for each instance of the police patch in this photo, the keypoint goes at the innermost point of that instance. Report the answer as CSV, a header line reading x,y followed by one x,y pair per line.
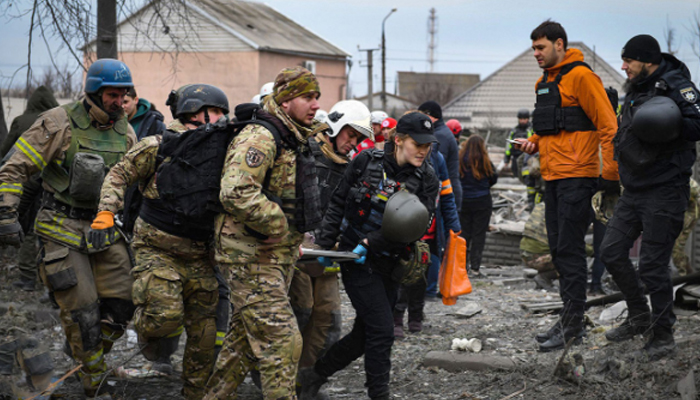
x,y
254,157
689,94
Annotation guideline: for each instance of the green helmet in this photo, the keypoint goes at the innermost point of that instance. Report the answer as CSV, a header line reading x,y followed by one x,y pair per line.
x,y
603,205
405,218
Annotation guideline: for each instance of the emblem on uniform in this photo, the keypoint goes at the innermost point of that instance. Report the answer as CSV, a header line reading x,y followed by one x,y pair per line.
x,y
254,157
427,124
689,94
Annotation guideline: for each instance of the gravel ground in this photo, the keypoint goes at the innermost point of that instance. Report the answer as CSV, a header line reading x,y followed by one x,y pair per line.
x,y
503,326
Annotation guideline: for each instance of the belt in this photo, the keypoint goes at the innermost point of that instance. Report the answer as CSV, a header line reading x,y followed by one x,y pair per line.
x,y
49,201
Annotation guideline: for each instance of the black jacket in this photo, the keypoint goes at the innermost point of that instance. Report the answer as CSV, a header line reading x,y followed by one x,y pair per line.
x,y
673,161
341,202
41,100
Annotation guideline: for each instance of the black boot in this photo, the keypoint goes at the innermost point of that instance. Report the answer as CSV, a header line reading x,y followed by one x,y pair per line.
x,y
661,344
311,382
544,336
167,346
637,323
24,283
572,328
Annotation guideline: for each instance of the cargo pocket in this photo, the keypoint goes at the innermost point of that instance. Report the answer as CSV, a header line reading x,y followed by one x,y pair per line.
x,y
204,295
59,274
156,287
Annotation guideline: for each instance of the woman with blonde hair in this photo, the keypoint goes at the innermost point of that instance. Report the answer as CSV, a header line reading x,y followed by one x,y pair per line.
x,y
477,175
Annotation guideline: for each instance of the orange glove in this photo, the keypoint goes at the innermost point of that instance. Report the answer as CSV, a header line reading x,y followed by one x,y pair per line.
x,y
103,220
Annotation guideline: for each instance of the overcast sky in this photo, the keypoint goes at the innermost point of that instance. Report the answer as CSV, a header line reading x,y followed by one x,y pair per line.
x,y
474,36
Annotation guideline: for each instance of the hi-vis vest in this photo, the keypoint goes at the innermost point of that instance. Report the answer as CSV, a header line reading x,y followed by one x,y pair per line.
x,y
110,144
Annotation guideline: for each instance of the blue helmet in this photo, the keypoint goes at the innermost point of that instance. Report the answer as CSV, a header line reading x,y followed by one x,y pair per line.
x,y
107,72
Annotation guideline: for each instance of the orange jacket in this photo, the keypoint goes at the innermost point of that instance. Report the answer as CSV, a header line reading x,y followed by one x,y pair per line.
x,y
575,154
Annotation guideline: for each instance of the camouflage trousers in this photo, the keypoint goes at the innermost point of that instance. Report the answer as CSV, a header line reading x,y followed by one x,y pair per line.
x,y
680,259
28,257
263,332
171,291
316,304
93,292
539,262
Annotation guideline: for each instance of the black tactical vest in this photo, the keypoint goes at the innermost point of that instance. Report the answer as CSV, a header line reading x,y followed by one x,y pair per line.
x,y
549,117
329,173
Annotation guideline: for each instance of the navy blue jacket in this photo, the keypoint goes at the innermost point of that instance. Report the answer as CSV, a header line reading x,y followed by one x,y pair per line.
x,y
450,150
447,217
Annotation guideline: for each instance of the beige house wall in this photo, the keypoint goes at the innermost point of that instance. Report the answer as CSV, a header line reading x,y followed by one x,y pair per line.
x,y
330,74
236,73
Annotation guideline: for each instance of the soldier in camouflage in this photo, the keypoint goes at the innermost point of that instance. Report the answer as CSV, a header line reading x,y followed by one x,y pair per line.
x,y
257,244
680,259
175,286
72,146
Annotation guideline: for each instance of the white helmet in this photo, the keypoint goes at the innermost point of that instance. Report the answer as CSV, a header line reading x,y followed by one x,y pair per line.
x,y
350,112
266,89
379,116
256,99
321,115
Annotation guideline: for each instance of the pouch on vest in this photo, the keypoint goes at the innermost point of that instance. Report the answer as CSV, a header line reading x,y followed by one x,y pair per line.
x,y
86,177
411,271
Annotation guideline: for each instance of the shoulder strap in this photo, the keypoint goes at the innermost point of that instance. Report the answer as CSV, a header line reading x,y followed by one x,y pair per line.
x,y
568,67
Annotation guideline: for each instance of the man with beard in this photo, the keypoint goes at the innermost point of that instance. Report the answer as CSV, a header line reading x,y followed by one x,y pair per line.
x,y
269,193
655,149
72,146
572,120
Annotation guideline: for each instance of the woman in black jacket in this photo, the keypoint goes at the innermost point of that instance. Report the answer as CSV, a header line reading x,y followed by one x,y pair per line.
x,y
356,214
477,175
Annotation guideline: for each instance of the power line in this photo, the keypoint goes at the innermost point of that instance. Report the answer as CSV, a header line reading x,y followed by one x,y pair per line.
x,y
453,61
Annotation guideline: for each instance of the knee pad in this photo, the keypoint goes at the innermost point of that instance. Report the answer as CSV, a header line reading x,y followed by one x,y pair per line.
x,y
117,311
88,320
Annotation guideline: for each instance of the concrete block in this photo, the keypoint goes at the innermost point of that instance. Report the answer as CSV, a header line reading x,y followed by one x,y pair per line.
x,y
457,361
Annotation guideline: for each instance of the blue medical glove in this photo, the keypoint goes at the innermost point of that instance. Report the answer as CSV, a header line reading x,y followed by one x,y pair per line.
x,y
360,250
325,261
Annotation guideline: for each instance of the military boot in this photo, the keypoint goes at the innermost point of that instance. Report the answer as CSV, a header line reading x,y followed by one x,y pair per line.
x,y
167,347
25,283
661,344
544,336
571,329
398,326
311,382
636,323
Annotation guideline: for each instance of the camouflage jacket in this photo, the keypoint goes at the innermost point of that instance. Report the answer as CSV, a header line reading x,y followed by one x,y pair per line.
x,y
139,165
46,141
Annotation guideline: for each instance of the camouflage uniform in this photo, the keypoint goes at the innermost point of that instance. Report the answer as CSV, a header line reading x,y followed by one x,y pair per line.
x,y
174,276
680,259
92,288
263,330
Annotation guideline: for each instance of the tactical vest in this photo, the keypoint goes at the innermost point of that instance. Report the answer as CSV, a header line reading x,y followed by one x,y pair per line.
x,y
188,177
364,207
70,185
549,117
329,173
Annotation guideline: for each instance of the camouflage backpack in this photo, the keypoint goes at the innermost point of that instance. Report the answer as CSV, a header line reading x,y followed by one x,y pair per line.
x,y
413,270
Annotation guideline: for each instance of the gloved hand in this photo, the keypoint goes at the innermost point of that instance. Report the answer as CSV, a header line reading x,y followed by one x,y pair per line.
x,y
10,230
360,250
325,261
102,230
611,188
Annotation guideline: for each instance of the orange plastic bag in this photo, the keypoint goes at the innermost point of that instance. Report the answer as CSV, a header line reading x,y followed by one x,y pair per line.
x,y
453,278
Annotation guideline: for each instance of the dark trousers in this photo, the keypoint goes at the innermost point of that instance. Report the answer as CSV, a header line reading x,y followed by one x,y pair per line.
x,y
598,267
373,296
567,215
411,297
474,218
658,215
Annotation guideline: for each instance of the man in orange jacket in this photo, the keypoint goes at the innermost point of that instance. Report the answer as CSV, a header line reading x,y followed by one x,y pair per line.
x,y
572,119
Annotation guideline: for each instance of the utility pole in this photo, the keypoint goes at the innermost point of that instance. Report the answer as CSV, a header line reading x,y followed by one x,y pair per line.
x,y
384,61
106,29
432,31
370,93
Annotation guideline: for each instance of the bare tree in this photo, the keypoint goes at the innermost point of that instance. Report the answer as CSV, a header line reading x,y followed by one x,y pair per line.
x,y
670,38
441,92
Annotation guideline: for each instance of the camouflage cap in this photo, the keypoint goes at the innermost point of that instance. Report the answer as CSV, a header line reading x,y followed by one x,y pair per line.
x,y
294,82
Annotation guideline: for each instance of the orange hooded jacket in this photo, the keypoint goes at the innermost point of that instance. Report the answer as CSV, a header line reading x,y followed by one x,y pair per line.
x,y
575,154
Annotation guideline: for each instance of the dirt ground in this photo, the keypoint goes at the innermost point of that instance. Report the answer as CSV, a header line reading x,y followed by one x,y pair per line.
x,y
503,326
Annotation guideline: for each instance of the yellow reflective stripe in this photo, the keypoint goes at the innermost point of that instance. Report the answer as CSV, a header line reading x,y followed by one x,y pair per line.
x,y
11,188
31,153
94,359
177,331
220,338
58,233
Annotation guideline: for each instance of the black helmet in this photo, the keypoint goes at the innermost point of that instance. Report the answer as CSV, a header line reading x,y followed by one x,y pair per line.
x,y
405,218
189,99
657,121
524,113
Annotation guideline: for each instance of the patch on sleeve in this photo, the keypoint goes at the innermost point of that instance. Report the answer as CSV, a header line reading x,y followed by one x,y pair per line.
x,y
689,94
254,157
